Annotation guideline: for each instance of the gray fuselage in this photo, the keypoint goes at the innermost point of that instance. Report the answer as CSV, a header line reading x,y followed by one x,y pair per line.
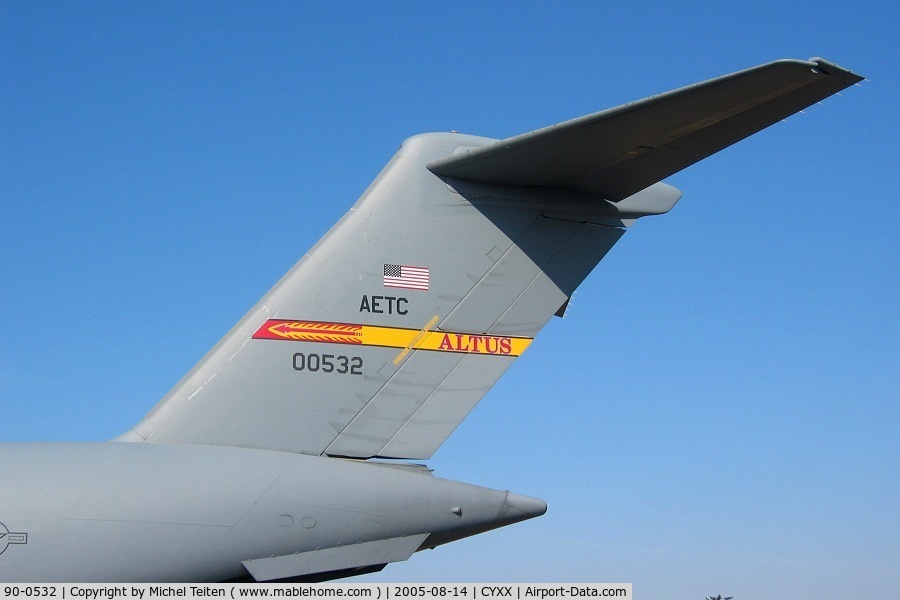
x,y
197,512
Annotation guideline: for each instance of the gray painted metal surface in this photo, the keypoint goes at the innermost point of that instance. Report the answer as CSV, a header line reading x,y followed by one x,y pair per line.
x,y
157,512
377,343
617,152
377,552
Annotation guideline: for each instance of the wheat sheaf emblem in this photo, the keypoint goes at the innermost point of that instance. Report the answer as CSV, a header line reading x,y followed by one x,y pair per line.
x,y
313,331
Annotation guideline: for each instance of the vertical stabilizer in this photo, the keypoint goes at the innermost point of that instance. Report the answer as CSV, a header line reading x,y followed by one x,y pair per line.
x,y
384,336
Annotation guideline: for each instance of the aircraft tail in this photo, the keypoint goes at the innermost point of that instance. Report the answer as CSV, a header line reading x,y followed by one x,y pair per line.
x,y
387,333
383,337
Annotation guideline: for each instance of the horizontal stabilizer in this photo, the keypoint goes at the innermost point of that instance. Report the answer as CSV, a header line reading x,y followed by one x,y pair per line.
x,y
617,152
344,561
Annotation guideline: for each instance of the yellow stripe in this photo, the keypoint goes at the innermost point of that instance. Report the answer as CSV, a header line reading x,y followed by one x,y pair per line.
x,y
426,339
477,344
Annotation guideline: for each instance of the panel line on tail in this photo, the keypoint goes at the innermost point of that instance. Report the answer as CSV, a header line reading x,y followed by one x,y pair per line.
x,y
415,342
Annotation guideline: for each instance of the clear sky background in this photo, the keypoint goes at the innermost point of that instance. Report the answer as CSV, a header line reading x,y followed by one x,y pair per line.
x,y
716,414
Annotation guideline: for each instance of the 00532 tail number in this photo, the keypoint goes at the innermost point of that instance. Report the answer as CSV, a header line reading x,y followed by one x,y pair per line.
x,y
328,363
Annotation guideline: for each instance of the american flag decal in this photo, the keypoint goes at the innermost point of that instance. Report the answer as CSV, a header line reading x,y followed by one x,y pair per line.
x,y
406,277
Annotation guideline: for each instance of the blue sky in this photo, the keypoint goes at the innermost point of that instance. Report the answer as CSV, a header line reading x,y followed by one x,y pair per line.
x,y
716,414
